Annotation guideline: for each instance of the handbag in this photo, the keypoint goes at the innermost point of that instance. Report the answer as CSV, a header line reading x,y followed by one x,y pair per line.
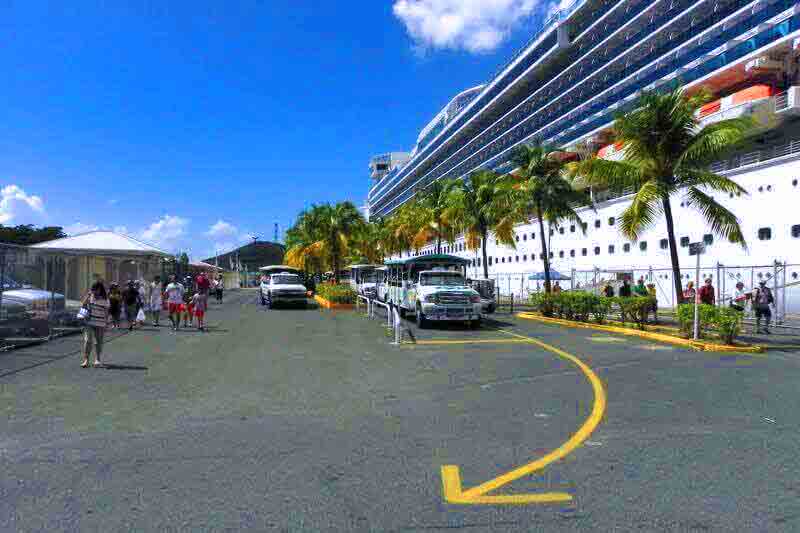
x,y
140,316
83,313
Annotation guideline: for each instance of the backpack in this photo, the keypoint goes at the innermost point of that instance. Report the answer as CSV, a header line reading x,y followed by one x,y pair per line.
x,y
767,296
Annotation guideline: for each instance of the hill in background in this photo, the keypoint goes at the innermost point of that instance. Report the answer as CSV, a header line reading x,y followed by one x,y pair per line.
x,y
252,256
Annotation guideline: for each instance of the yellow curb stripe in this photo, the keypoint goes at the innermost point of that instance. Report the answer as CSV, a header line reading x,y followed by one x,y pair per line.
x,y
330,305
450,474
660,337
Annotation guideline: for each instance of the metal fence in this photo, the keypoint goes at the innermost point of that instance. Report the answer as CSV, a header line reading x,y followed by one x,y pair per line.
x,y
782,278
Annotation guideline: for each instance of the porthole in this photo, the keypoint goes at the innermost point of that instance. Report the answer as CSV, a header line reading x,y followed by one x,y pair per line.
x,y
796,231
626,247
611,248
794,275
572,228
596,223
664,243
561,231
572,253
596,250
611,221
643,246
684,242
584,252
794,182
516,259
525,237
761,189
769,187
764,234
561,254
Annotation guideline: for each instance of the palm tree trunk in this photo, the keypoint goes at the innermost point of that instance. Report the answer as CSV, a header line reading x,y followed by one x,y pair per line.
x,y
545,257
438,243
483,251
673,250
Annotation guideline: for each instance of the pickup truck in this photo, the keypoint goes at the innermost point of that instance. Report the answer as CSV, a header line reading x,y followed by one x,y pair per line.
x,y
444,296
282,289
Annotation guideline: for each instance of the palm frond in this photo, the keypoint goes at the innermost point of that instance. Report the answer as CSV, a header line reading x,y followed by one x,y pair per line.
x,y
643,211
708,144
617,176
705,178
723,222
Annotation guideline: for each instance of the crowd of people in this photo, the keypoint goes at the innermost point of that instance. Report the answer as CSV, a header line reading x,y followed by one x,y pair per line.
x,y
106,308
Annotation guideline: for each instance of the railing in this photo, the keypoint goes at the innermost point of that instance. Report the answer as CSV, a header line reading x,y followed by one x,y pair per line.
x,y
681,57
781,101
758,156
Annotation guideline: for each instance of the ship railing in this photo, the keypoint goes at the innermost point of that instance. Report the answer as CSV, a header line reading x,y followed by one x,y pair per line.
x,y
781,101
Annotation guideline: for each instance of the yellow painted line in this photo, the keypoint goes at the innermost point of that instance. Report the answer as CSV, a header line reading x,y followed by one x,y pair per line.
x,y
650,335
451,476
476,341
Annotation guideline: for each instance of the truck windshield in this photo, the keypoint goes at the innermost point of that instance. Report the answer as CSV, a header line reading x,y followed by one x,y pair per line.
x,y
369,276
285,279
450,279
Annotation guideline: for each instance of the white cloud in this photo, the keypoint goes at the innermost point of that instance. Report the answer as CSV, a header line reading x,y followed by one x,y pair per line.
x,y
222,230
472,25
121,229
79,227
19,207
166,232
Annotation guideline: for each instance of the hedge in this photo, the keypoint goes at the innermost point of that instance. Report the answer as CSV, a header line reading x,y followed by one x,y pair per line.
x,y
726,321
337,294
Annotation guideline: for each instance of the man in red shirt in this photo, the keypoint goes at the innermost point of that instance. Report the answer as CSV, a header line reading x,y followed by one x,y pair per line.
x,y
707,293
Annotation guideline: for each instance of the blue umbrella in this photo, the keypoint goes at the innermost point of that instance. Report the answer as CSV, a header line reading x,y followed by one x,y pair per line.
x,y
555,275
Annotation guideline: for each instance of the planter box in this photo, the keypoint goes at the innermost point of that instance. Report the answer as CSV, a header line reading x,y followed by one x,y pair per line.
x,y
330,305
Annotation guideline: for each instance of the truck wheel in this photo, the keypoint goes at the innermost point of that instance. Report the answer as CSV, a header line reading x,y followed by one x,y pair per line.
x,y
269,301
475,324
422,322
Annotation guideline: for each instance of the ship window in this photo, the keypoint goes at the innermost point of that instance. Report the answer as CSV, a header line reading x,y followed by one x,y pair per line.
x,y
708,238
561,254
490,260
572,227
551,255
551,232
525,257
572,253
509,258
596,223
479,261
584,251
516,259
533,236
525,237
585,226
517,238
596,250
684,242
611,248
611,221
769,187
541,255
561,231
764,234
796,231
794,182
643,246
502,259
664,244
626,247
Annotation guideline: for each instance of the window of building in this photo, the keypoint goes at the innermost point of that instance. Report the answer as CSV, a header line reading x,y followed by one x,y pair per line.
x,y
561,254
626,247
708,239
584,252
612,221
684,242
664,243
596,223
764,234
596,250
572,253
796,231
611,248
643,246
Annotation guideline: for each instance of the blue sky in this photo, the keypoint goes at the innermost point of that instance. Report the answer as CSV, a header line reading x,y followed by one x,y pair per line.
x,y
194,124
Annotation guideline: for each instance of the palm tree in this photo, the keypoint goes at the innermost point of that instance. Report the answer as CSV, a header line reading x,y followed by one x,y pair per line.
x,y
545,193
479,205
433,203
667,152
324,233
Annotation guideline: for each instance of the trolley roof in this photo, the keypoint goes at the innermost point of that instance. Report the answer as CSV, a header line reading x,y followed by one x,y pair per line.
x,y
432,258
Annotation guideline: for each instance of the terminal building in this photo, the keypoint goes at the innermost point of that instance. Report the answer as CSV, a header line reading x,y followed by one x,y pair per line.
x,y
592,60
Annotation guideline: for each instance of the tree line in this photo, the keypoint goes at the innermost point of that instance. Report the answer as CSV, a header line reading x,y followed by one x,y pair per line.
x,y
665,152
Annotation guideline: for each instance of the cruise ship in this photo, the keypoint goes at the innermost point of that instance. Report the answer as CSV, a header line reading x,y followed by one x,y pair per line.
x,y
591,60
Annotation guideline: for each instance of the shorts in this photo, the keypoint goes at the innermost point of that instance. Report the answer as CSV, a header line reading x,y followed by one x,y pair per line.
x,y
174,308
199,314
765,312
189,310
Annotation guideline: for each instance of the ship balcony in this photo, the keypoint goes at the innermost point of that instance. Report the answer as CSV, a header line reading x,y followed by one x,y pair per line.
x,y
757,101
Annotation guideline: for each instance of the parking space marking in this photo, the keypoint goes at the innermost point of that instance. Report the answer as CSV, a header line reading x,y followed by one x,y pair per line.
x,y
475,341
451,475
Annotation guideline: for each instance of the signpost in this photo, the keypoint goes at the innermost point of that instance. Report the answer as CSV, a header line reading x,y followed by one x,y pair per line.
x,y
697,249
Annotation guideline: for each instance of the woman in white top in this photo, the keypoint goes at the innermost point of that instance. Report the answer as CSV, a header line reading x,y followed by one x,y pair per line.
x,y
155,300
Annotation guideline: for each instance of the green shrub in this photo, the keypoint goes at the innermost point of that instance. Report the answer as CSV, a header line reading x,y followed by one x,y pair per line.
x,y
338,294
601,308
725,321
543,303
728,322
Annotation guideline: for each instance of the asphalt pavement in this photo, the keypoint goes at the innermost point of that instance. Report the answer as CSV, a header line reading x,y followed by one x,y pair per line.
x,y
310,420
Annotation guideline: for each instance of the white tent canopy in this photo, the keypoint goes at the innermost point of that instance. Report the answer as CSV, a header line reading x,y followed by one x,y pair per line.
x,y
100,242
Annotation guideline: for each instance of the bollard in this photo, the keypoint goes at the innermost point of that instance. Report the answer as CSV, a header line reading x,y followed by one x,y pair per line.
x,y
389,308
398,330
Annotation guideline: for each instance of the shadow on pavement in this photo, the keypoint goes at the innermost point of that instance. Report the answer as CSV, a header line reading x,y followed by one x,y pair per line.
x,y
111,366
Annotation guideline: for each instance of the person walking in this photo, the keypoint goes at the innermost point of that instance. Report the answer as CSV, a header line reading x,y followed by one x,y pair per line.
x,y
740,298
203,286
174,292
557,288
608,290
651,292
198,305
114,304
689,294
762,300
155,300
96,304
219,287
625,291
130,299
707,293
640,289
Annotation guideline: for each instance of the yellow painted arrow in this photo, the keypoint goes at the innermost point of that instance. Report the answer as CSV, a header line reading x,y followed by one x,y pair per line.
x,y
451,476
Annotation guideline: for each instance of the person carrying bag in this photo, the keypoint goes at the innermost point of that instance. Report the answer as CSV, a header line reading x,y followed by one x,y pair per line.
x,y
94,309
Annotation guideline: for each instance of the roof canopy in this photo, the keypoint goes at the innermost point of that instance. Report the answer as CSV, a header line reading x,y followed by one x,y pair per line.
x,y
432,258
279,268
203,264
100,242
